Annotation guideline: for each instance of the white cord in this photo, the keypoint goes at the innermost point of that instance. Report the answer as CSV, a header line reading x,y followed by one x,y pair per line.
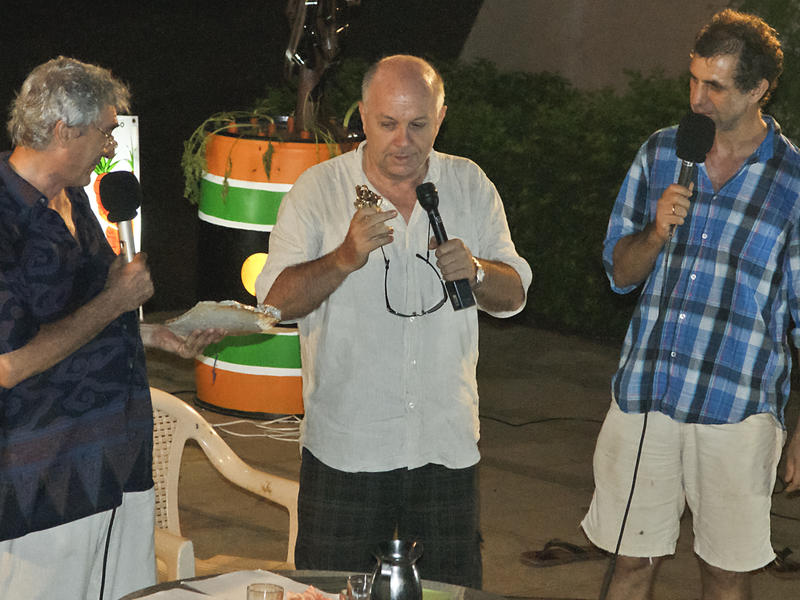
x,y
284,429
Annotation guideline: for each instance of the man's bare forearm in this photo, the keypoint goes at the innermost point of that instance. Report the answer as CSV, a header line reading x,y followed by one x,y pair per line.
x,y
502,288
635,255
301,288
56,341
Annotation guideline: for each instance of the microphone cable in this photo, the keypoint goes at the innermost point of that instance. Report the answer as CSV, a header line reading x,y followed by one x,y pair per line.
x,y
612,563
105,553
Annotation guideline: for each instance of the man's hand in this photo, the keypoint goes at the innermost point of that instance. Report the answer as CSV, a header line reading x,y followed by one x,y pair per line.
x,y
672,209
128,285
454,260
159,336
368,231
792,470
635,254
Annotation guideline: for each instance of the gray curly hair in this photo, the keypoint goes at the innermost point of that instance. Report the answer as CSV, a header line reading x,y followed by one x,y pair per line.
x,y
62,89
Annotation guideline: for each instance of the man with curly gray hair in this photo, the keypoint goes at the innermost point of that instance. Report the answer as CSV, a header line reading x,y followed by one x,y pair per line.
x,y
76,490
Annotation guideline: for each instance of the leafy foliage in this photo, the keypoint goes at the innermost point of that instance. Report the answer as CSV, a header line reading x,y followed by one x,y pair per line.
x,y
558,156
193,160
783,16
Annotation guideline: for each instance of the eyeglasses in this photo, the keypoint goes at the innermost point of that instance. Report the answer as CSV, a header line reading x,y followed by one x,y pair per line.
x,y
427,311
110,141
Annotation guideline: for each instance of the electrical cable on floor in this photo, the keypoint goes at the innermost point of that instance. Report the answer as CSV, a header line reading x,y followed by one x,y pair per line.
x,y
780,516
544,420
282,429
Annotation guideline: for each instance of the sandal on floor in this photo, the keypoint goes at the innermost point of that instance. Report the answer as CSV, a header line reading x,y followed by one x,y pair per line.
x,y
783,566
559,552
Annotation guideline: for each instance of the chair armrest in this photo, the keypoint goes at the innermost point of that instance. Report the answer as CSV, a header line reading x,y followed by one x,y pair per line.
x,y
176,553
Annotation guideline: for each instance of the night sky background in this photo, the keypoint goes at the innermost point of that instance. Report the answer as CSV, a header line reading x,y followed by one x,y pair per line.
x,y
185,60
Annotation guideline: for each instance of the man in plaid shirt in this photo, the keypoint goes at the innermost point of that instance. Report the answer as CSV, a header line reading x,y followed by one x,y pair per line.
x,y
704,371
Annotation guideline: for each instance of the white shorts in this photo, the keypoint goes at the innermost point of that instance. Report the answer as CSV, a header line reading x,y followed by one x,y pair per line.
x,y
67,561
726,474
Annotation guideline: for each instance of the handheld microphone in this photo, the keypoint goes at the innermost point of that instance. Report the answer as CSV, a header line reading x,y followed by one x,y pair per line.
x,y
459,291
693,141
121,196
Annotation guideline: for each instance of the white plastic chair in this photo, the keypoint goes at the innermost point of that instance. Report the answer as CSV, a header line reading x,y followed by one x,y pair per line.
x,y
175,422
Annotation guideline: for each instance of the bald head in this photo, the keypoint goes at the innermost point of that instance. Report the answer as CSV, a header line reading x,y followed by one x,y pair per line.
x,y
402,108
404,69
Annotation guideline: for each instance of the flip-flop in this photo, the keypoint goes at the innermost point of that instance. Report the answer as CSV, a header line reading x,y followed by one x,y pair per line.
x,y
783,566
559,552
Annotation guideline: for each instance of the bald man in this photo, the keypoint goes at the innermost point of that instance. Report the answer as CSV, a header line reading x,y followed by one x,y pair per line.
x,y
391,427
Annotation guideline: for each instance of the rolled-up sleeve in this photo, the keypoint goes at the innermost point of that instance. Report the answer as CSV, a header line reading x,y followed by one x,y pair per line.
x,y
630,215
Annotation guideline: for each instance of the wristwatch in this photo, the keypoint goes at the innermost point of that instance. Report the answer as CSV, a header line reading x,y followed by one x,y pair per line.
x,y
271,311
480,274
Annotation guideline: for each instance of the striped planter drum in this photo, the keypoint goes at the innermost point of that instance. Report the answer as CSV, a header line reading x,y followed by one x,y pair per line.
x,y
258,375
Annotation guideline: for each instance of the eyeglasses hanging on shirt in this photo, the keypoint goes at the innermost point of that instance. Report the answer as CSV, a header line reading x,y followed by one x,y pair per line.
x,y
426,275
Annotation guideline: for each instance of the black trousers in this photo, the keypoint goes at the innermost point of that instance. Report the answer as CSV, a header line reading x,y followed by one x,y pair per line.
x,y
344,516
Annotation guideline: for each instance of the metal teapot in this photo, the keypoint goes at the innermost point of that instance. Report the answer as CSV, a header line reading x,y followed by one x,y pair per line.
x,y
395,576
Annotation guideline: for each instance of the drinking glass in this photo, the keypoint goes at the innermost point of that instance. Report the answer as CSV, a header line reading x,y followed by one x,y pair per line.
x,y
264,591
359,586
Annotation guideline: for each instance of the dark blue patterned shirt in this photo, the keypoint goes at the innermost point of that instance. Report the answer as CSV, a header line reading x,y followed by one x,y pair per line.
x,y
79,434
708,340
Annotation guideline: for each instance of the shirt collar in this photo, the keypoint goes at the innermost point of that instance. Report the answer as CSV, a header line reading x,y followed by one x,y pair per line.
x,y
19,188
769,144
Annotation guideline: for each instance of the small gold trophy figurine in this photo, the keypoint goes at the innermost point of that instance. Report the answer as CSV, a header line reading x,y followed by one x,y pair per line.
x,y
366,197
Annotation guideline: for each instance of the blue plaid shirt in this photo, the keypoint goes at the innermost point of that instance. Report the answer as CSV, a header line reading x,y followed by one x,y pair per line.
x,y
708,339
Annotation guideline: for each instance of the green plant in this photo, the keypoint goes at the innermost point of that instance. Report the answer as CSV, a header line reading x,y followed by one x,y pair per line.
x,y
323,128
558,156
783,16
193,160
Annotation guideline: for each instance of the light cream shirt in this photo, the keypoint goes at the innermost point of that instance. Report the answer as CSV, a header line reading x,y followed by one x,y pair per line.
x,y
380,391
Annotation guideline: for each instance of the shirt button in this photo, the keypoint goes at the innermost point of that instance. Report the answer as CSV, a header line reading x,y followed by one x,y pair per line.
x,y
682,316
411,405
411,319
413,363
705,236
672,354
692,276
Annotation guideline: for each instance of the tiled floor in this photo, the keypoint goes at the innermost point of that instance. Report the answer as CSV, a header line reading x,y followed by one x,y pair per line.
x,y
543,396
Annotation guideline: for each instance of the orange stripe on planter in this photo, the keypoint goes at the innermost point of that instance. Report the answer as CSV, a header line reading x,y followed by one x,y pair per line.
x,y
289,159
247,393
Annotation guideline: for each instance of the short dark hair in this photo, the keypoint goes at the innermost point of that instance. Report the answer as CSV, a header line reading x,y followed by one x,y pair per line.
x,y
754,42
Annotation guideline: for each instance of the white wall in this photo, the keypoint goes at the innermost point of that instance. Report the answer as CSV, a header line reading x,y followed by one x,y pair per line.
x,y
591,42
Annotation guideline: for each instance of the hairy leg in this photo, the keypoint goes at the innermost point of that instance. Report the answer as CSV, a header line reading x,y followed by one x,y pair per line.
x,y
719,584
633,578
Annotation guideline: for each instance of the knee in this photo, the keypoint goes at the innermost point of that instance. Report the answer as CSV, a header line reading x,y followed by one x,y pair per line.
x,y
636,566
722,579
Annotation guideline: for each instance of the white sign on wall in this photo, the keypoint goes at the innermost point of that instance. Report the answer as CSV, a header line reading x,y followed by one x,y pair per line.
x,y
125,159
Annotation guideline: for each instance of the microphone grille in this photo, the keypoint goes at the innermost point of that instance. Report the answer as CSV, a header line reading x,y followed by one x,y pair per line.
x,y
120,195
695,137
428,196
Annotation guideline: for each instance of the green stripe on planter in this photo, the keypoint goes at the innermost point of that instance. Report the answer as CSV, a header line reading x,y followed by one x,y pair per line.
x,y
243,205
259,350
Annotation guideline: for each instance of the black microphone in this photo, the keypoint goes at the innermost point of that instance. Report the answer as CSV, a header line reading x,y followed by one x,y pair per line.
x,y
693,141
121,196
459,291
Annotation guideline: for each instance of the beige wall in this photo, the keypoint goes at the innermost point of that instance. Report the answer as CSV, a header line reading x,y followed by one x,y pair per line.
x,y
591,42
